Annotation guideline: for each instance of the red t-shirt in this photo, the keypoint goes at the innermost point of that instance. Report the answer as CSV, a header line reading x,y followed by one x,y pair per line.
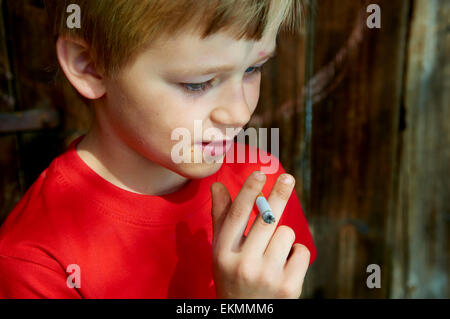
x,y
127,245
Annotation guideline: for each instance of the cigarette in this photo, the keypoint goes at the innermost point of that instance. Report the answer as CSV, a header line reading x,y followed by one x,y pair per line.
x,y
264,209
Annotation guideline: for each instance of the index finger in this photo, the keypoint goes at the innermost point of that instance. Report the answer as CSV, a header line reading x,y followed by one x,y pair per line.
x,y
236,219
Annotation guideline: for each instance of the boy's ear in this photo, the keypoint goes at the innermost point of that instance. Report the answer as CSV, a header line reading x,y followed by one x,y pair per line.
x,y
78,66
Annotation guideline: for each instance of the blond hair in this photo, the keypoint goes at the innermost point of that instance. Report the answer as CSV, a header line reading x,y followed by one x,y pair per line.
x,y
116,30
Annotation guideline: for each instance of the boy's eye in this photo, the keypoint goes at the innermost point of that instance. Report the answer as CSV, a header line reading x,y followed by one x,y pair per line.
x,y
256,69
204,86
196,87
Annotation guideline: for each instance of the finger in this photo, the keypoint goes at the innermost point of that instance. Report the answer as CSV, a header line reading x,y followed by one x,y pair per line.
x,y
237,217
260,233
221,202
280,245
297,265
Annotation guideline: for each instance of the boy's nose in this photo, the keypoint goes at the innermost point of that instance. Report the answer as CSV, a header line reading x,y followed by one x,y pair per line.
x,y
233,111
231,117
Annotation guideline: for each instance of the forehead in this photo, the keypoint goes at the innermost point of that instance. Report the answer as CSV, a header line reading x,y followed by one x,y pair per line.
x,y
219,47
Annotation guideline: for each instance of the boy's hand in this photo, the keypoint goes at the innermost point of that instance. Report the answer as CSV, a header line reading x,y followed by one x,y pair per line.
x,y
262,264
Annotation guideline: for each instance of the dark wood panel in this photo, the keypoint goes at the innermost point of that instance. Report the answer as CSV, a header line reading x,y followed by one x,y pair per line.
x,y
10,182
425,171
38,85
356,91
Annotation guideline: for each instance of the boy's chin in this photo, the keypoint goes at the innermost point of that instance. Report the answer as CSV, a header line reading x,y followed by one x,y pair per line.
x,y
198,170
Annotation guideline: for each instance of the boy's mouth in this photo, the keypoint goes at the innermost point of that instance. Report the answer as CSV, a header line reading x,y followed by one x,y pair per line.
x,y
216,148
215,142
221,142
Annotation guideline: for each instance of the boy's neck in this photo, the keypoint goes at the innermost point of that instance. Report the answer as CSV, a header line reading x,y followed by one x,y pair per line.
x,y
111,158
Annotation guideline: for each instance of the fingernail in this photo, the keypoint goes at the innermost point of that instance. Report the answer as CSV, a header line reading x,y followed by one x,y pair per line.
x,y
287,179
260,176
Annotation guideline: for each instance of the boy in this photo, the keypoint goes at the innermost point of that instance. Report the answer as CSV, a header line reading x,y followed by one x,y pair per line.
x,y
116,216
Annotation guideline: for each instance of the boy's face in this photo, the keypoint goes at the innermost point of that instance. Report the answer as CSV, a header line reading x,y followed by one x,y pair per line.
x,y
164,89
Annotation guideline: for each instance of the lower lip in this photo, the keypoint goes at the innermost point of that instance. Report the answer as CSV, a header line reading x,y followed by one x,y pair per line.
x,y
215,149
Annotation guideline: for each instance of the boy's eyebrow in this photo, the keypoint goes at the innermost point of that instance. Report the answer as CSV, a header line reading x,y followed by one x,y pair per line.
x,y
225,68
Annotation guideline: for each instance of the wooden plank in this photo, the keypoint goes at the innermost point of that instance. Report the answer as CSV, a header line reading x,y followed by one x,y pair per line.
x,y
34,66
34,62
425,171
355,95
10,186
28,120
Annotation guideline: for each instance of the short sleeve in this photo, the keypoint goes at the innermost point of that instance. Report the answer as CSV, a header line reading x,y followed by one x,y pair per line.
x,y
25,279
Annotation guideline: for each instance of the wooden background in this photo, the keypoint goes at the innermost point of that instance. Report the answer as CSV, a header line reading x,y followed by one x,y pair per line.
x,y
364,126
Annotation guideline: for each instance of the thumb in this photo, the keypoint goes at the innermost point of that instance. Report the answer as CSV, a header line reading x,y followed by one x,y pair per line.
x,y
221,202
